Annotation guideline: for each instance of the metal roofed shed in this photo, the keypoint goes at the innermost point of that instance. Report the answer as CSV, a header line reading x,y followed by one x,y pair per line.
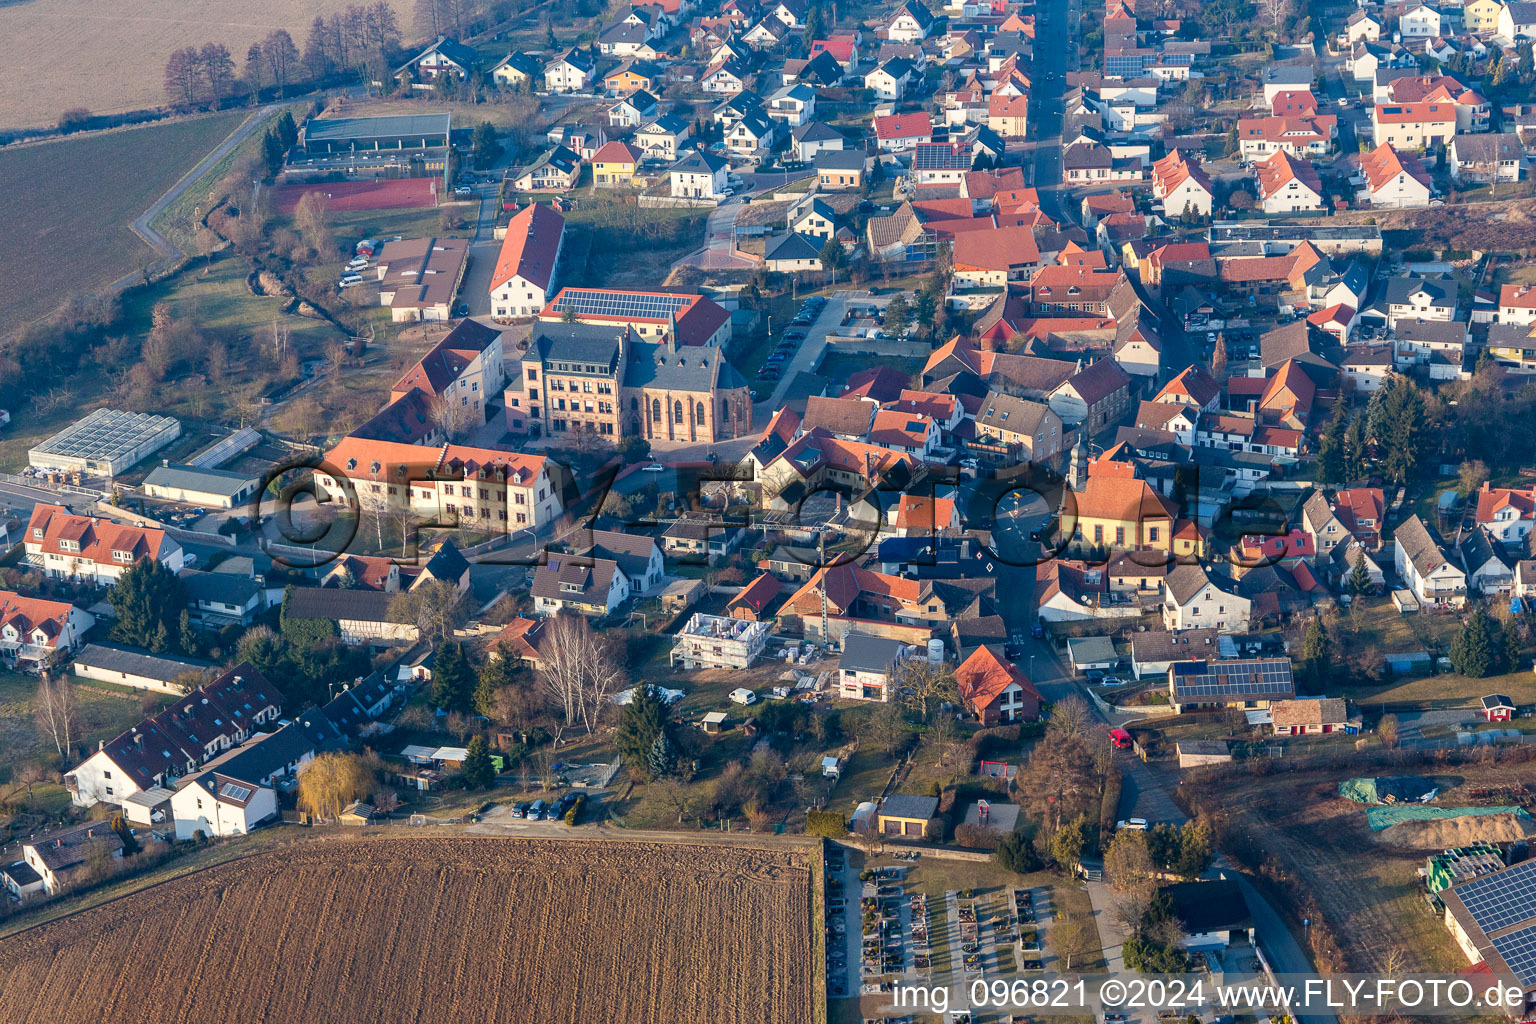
x,y
105,443
352,134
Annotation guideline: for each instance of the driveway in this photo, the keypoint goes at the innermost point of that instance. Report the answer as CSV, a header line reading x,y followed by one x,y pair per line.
x,y
719,233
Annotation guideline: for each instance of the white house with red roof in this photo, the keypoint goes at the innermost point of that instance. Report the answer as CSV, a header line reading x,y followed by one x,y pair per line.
x,y
34,630
1507,513
1414,126
1517,304
87,549
1302,137
896,133
1289,185
1182,184
524,277
1395,180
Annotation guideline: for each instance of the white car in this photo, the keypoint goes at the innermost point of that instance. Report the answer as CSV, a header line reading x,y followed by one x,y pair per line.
x,y
654,467
1134,824
348,280
742,695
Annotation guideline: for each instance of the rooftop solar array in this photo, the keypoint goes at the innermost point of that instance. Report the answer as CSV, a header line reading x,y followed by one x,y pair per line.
x,y
1499,900
629,305
234,792
1518,949
939,157
1258,677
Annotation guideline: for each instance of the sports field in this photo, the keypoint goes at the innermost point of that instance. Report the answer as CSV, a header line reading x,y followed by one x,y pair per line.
x,y
344,196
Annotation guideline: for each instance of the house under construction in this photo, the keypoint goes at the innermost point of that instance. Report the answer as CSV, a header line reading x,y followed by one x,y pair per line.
x,y
714,641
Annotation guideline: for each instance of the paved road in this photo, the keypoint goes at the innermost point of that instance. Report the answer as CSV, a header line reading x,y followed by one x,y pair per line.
x,y
719,234
159,242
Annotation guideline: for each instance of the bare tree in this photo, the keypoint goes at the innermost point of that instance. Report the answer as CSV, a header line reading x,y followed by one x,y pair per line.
x,y
1275,11
581,670
1073,938
452,417
923,685
54,709
1069,717
435,606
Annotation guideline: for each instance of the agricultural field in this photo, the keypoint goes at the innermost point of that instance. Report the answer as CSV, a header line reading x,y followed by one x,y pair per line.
x,y
445,929
112,59
66,206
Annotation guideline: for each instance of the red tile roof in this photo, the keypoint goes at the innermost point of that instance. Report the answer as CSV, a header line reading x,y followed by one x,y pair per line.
x,y
984,677
97,539
531,245
1384,163
903,126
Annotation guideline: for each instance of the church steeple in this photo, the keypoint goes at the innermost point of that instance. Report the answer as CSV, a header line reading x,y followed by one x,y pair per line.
x,y
1078,475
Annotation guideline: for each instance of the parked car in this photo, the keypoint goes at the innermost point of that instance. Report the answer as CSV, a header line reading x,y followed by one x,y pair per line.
x,y
536,810
654,467
794,335
1134,824
520,809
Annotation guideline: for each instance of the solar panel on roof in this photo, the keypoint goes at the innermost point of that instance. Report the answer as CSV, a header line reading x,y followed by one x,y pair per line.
x,y
1519,951
601,302
1502,899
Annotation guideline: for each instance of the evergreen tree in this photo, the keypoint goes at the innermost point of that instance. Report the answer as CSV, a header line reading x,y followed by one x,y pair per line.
x,y
1316,653
643,719
453,681
272,153
661,760
1332,452
495,675
479,772
148,600
1356,460
1360,576
1396,422
486,146
1219,357
186,634
287,130
1511,647
130,841
1478,650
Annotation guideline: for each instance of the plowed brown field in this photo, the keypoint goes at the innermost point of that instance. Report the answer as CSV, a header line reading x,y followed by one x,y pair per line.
x,y
429,930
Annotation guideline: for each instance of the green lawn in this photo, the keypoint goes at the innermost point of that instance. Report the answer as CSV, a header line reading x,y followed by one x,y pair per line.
x,y
65,207
839,366
102,714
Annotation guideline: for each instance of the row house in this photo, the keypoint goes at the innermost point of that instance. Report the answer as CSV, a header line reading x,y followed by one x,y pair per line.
x,y
1301,137
35,631
87,549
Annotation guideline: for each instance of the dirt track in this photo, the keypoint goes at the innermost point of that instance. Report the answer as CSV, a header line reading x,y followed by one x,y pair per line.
x,y
435,929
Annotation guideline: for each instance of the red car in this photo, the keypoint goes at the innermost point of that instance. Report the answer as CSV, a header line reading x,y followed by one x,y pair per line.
x,y
1120,738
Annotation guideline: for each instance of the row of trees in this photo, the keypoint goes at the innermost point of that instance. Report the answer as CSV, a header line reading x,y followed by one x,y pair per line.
x,y
364,39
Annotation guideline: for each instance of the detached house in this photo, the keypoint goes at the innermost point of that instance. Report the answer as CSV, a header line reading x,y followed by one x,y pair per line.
x,y
1487,158
1288,185
911,23
572,71
663,138
1395,180
1507,514
895,133
889,81
699,175
995,690
1424,568
1192,599
33,630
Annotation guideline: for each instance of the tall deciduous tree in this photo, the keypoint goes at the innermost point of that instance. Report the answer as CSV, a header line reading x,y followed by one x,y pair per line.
x,y
54,709
332,781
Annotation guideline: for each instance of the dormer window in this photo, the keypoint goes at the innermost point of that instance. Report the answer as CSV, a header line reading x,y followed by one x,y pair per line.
x,y
122,556
72,546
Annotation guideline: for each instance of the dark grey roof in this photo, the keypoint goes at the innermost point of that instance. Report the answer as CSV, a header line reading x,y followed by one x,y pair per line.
x,y
910,805
115,658
816,131
447,563
1183,645
631,551
1440,332
1443,293
695,162
335,604
865,653
793,246
596,344
695,368
218,587
841,160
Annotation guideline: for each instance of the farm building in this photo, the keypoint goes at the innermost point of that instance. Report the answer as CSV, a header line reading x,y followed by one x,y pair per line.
x,y
128,666
105,443
714,641
215,488
420,132
1461,864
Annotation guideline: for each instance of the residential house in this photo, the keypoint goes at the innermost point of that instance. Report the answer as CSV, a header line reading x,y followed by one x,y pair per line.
x,y
572,71
1508,514
443,58
1182,185
700,175
1302,137
60,856
995,690
1230,682
528,264
868,665
1395,180
889,80
1489,570
911,23
556,170
615,164
814,138
1288,185
663,138
896,133
1312,716
1420,298
1414,127
1008,116
1424,568
633,110
792,105
1487,158
1192,599
516,70
753,133
86,549
1096,397
34,631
